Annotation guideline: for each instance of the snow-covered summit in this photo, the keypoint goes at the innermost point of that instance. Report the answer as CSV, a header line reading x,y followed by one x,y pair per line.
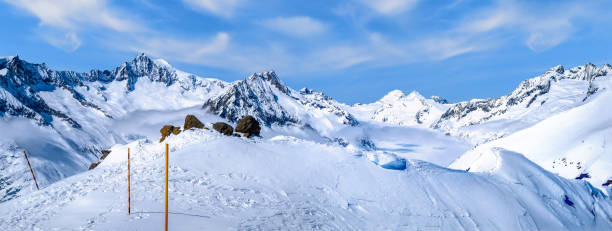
x,y
400,109
259,95
392,96
143,66
267,98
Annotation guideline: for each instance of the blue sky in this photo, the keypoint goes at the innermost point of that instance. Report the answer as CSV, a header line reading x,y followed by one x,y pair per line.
x,y
353,50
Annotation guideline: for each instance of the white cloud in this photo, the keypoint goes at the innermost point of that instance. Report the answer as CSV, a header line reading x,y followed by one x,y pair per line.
x,y
444,48
224,8
61,21
75,14
68,41
66,24
340,57
185,50
299,26
540,26
390,7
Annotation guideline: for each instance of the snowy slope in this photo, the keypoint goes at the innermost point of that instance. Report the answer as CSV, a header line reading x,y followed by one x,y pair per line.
x,y
221,183
570,143
535,99
399,109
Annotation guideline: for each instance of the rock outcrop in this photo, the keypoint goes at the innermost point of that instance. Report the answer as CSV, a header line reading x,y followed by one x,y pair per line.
x,y
192,122
167,130
105,153
248,126
223,128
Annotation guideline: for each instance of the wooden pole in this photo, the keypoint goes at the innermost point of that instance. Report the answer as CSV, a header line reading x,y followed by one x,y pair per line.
x,y
32,171
129,185
166,211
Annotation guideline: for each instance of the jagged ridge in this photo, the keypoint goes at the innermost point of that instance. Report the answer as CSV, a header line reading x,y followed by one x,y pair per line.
x,y
525,95
266,97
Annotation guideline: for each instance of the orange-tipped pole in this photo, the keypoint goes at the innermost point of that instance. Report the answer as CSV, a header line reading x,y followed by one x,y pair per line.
x,y
32,171
129,185
166,211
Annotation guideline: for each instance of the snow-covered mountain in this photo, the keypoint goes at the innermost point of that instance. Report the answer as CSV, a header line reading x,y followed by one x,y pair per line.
x,y
400,109
267,98
533,100
68,118
318,163
64,119
556,120
570,143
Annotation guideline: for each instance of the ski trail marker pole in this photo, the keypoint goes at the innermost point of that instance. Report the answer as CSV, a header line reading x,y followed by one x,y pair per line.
x,y
166,210
32,171
129,185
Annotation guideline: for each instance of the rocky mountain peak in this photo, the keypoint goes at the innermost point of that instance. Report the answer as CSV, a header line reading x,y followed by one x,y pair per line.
x,y
438,99
559,69
143,66
267,98
588,72
271,78
317,94
253,96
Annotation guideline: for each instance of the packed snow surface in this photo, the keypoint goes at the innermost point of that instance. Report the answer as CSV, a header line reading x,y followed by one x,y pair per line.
x,y
228,183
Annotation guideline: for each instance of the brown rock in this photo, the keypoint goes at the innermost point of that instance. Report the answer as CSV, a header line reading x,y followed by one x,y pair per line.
x,y
105,154
176,130
167,130
248,125
94,165
223,128
192,122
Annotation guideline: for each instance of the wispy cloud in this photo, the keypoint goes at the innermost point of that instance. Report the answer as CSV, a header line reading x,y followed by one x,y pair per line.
x,y
61,21
540,25
185,50
300,26
390,7
68,41
75,14
224,8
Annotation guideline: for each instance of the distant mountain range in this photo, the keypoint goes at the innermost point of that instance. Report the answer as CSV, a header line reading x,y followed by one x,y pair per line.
x,y
64,119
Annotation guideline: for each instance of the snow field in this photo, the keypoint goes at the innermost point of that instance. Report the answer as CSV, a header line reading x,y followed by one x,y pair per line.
x,y
222,183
